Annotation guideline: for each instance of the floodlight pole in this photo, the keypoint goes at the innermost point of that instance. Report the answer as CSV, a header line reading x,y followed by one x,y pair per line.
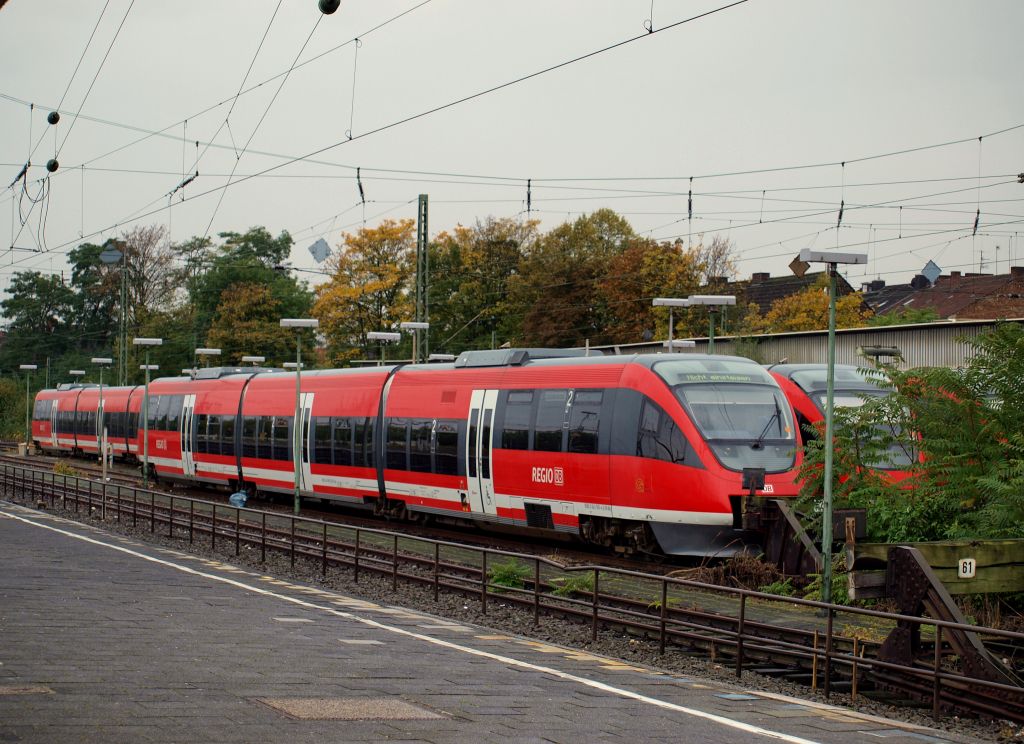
x,y
826,525
146,342
101,434
298,324
28,409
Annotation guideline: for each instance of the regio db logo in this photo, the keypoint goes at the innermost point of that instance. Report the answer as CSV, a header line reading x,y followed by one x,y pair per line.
x,y
554,476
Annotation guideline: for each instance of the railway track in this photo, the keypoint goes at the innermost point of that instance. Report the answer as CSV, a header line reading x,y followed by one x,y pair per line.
x,y
751,631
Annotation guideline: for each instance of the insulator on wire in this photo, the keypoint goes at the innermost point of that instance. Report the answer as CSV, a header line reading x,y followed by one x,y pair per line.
x,y
359,183
977,216
529,198
53,117
842,205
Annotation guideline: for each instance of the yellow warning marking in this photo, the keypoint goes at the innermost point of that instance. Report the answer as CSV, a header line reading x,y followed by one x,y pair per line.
x,y
493,637
542,647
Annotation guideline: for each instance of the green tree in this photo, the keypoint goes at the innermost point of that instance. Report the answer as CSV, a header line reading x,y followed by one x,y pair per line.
x,y
906,315
966,423
39,311
247,322
470,270
807,310
555,292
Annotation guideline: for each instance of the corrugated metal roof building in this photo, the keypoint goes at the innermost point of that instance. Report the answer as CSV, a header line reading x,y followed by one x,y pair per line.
x,y
920,344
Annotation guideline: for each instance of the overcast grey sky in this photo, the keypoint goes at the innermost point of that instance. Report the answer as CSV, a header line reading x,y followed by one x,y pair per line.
x,y
765,84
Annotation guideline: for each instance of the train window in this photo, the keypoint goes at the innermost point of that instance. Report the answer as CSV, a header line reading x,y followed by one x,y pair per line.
x,y
151,406
250,433
485,446
362,442
162,411
342,440
227,435
282,438
446,448
584,417
201,443
473,417
549,420
515,432
322,440
173,422
213,434
397,444
659,437
420,433
264,450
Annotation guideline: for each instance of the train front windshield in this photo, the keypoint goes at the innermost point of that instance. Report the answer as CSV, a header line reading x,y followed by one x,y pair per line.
x,y
738,409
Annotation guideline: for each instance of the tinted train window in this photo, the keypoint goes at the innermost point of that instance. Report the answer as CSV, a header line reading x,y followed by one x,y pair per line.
x,y
250,429
446,449
213,434
342,440
549,421
397,432
322,440
227,435
659,437
515,432
264,432
420,432
584,417
362,446
173,422
282,438
202,446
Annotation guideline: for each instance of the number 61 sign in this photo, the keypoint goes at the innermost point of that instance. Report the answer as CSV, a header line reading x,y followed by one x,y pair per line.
x,y
965,568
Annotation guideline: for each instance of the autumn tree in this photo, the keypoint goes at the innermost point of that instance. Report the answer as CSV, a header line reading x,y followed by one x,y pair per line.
x,y
807,310
555,292
643,270
470,270
369,287
715,261
247,321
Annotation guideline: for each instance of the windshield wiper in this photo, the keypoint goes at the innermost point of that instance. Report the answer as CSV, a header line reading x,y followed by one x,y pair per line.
x,y
777,416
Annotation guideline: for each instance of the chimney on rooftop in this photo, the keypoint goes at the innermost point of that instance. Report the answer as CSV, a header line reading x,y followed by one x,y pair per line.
x,y
760,276
920,281
1017,272
954,275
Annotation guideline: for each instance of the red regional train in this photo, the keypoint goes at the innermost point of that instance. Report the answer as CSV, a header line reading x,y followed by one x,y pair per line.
x,y
643,453
805,385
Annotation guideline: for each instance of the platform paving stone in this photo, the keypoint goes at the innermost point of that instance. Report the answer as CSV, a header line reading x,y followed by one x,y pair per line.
x,y
144,644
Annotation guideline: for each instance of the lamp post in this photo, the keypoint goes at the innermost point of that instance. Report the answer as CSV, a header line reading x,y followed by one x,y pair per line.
x,y
832,259
146,343
101,432
680,344
713,302
207,352
671,303
298,324
415,327
28,409
385,337
76,373
254,360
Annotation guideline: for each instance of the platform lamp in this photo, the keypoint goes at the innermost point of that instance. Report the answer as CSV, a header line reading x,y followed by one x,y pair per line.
x,y
101,432
147,344
298,324
713,302
254,360
680,344
414,326
77,374
671,303
799,267
28,410
441,358
207,352
384,337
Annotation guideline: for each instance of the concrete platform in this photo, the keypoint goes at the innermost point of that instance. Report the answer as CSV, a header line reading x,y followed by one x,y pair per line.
x,y
103,639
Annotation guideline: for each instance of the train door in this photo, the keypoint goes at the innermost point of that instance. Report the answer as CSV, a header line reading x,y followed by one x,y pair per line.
x,y
188,463
306,477
479,479
53,422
